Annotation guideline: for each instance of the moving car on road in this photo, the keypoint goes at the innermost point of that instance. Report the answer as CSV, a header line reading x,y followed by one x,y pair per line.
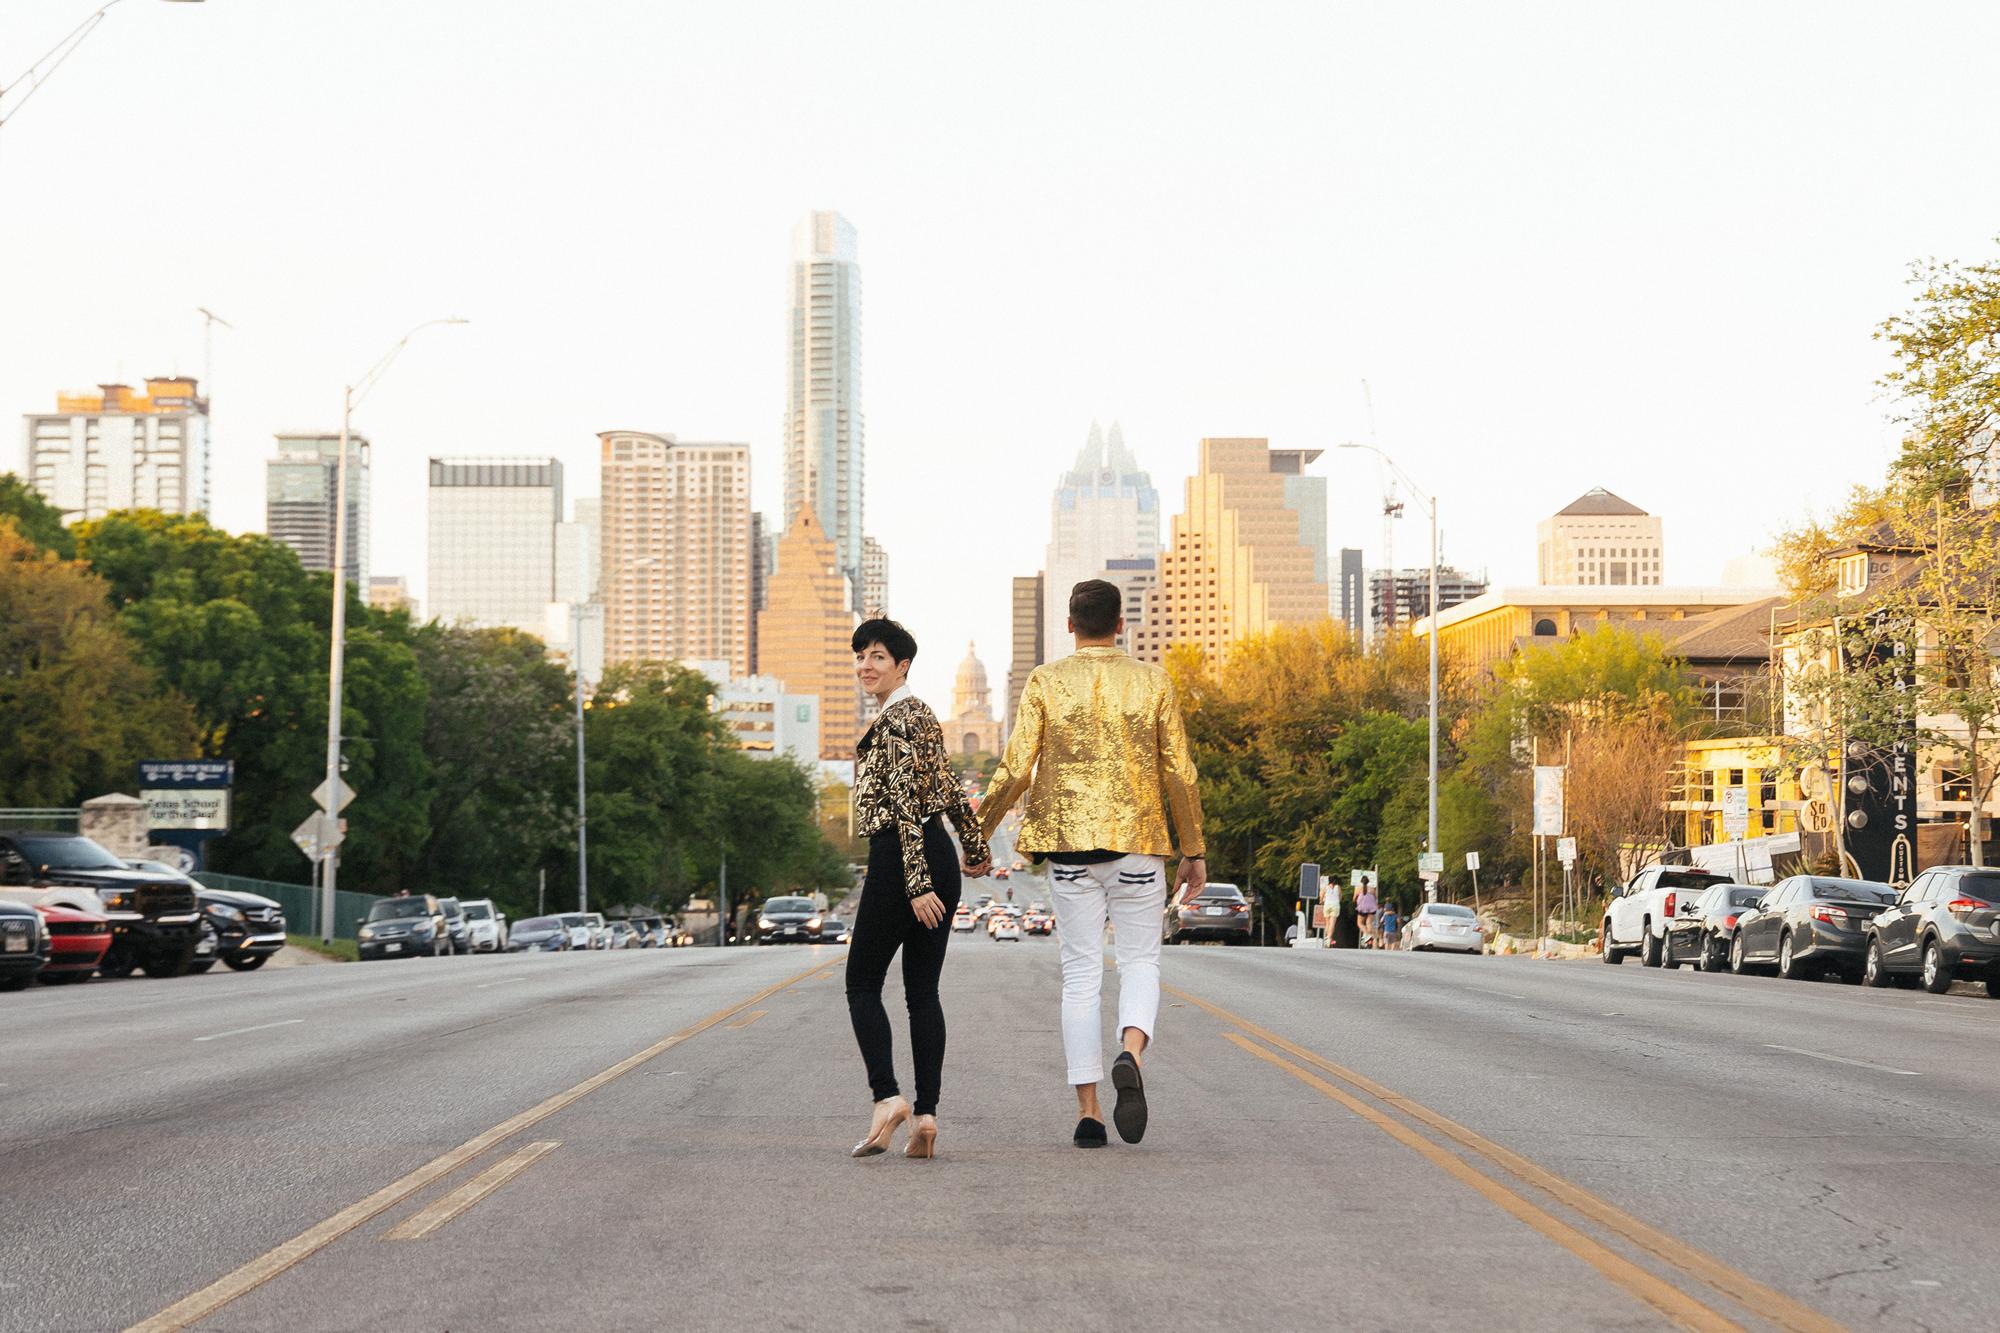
x,y
832,930
1220,913
961,920
244,928
1007,928
789,921
1944,926
1809,925
486,926
539,934
1642,912
77,941
155,923
24,944
1702,936
404,927
1446,926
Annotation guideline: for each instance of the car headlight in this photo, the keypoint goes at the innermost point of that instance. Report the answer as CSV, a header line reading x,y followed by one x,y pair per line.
x,y
118,901
813,924
226,912
763,922
366,933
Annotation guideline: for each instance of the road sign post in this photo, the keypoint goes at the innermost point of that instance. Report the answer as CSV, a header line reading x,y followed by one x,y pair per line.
x,y
1302,936
1472,868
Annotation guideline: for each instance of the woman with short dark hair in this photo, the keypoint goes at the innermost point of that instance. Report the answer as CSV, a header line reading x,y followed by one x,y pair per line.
x,y
904,790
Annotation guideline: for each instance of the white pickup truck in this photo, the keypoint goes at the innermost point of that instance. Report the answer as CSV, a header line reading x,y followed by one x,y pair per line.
x,y
1641,913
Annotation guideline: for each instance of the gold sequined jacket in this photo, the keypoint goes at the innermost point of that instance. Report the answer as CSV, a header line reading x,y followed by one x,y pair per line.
x,y
902,776
1101,753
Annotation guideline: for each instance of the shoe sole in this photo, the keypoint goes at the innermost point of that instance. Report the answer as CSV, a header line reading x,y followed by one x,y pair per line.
x,y
1130,1113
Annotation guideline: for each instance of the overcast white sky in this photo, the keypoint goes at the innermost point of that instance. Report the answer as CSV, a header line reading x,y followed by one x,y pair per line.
x,y
1567,244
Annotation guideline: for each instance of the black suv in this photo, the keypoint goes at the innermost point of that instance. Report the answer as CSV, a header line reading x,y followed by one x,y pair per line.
x,y
1945,924
24,944
155,923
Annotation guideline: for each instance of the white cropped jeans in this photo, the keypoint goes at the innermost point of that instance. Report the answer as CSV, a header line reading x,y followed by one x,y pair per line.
x,y
1131,893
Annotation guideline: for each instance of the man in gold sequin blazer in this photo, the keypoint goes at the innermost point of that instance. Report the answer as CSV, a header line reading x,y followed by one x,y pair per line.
x,y
1100,752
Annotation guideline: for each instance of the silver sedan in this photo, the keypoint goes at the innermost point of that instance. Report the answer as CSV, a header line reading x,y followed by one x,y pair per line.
x,y
1445,926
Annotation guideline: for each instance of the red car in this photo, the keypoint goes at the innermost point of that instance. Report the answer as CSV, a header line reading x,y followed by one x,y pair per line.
x,y
77,941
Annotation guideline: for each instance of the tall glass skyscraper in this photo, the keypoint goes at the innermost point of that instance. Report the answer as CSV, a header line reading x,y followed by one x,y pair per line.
x,y
300,486
1104,516
823,425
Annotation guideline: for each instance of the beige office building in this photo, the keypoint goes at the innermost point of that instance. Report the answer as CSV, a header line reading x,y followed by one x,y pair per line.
x,y
1027,640
674,569
1599,540
805,630
1248,553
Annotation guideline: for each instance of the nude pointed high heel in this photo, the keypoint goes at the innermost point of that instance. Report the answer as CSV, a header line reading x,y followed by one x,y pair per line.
x,y
890,1114
923,1137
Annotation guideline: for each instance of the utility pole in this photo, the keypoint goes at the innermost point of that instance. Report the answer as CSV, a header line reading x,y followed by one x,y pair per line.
x,y
582,800
722,900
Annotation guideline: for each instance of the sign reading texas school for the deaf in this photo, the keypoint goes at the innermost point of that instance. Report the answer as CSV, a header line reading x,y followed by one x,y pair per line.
x,y
191,794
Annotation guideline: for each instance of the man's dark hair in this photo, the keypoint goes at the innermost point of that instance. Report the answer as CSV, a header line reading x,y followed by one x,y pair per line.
x,y
896,640
1094,608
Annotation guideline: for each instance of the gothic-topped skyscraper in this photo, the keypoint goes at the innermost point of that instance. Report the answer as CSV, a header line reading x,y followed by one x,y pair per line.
x,y
1104,523
823,423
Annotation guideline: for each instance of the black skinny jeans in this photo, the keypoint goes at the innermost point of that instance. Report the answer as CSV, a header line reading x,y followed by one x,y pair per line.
x,y
883,925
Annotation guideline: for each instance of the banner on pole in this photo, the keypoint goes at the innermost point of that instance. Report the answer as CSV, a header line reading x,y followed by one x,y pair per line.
x,y
1548,800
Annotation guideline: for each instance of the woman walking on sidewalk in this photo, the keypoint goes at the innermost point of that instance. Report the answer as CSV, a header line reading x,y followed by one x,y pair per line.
x,y
904,789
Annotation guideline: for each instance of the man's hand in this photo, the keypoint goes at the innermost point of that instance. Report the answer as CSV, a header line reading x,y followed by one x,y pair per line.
x,y
978,871
929,909
1192,878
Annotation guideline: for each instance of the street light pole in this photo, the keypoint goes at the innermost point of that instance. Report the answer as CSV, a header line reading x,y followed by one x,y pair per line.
x,y
582,810
1431,840
337,650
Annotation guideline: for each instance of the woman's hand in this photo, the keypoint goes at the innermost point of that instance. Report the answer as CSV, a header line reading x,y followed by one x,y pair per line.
x,y
977,871
929,909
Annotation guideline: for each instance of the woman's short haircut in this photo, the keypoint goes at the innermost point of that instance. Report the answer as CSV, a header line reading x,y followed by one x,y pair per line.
x,y
1094,608
898,642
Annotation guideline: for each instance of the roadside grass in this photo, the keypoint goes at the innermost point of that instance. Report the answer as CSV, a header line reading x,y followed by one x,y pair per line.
x,y
341,951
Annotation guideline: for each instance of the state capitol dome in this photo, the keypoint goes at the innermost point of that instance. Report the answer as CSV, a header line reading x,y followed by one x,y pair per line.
x,y
973,728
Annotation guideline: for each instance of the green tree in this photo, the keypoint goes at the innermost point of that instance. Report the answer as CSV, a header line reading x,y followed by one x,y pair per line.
x,y
78,709
37,521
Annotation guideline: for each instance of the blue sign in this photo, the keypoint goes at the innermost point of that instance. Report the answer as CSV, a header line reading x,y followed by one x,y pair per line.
x,y
187,774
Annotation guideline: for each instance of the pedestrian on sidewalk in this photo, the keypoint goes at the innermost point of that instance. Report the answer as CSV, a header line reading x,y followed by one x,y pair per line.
x,y
1365,906
1100,753
1391,924
904,790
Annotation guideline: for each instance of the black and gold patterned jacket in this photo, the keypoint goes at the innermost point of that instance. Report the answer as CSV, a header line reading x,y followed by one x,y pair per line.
x,y
902,776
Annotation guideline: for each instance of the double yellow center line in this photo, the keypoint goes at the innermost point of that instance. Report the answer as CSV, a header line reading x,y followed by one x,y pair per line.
x,y
1670,1300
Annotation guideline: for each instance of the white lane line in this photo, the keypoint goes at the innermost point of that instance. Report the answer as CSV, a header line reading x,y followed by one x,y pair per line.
x,y
504,981
237,1032
1840,1060
1488,991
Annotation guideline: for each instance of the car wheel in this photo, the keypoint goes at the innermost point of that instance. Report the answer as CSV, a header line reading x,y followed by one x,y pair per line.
x,y
1649,947
1606,950
14,983
200,966
1936,972
1710,958
1667,958
1874,972
245,962
116,965
1993,984
1736,963
161,968
1789,967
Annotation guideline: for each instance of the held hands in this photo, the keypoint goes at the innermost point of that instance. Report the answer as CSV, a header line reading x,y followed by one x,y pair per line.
x,y
929,909
980,870
1192,877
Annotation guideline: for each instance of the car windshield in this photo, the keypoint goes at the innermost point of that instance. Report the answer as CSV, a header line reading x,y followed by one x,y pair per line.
x,y
478,912
833,921
1687,879
1449,909
1745,897
1853,891
450,906
61,853
538,925
789,905
1986,888
574,919
393,909
1222,893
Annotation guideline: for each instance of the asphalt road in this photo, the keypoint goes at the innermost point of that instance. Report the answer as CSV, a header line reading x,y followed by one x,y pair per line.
x,y
1338,1139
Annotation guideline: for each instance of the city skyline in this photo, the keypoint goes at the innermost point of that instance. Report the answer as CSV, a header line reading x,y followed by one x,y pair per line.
x,y
1316,232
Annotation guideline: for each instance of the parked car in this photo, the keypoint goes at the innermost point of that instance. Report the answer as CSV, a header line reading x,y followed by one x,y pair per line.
x,y
1809,925
77,942
1641,913
600,930
622,936
457,927
1702,936
485,926
581,935
24,944
244,929
832,930
652,932
789,921
155,922
539,934
1219,913
1445,926
410,925
1944,926
1037,921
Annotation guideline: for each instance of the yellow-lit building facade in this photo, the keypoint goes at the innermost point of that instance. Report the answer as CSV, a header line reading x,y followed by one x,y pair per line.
x,y
1710,768
1491,628
805,632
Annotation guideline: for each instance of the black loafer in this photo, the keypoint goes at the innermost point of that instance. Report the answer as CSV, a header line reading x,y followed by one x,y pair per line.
x,y
1090,1133
1130,1113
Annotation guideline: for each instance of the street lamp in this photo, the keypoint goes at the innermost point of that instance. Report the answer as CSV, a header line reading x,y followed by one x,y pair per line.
x,y
349,396
1431,843
36,75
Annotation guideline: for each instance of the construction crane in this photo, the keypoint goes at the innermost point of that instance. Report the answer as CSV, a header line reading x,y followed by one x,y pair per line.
x,y
1392,509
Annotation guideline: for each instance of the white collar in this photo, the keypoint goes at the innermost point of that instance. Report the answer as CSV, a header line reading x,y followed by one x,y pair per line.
x,y
897,695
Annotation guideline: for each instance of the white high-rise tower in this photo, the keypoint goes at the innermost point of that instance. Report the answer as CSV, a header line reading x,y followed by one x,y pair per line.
x,y
823,425
1104,523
